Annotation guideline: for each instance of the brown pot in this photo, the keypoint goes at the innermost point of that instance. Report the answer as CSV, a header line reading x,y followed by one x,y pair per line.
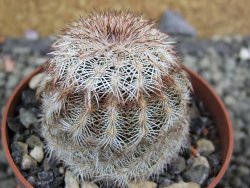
x,y
202,90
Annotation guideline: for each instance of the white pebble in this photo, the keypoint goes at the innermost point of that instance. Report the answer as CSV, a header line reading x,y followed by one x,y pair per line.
x,y
37,153
184,185
27,162
88,185
24,147
70,181
36,80
205,147
144,184
244,54
61,170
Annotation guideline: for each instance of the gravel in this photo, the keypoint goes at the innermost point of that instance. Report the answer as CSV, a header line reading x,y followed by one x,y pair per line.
x,y
224,62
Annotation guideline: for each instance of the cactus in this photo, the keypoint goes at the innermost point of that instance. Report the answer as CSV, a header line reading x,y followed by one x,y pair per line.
x,y
115,99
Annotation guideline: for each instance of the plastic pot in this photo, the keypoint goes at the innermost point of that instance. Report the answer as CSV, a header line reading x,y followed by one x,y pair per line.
x,y
202,90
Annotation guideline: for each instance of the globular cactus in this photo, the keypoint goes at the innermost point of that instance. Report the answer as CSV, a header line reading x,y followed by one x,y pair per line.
x,y
115,99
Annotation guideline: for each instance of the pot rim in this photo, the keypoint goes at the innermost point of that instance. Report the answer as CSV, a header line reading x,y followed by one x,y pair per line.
x,y
23,181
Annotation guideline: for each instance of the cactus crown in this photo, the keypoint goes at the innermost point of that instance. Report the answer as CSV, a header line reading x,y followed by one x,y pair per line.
x,y
115,98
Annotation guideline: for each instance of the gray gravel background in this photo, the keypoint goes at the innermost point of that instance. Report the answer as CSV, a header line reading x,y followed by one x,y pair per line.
x,y
224,62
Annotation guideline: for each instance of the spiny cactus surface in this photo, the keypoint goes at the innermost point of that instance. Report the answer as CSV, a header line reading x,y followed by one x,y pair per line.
x,y
115,99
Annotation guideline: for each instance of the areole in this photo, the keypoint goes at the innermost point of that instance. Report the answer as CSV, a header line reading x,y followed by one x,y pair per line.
x,y
201,89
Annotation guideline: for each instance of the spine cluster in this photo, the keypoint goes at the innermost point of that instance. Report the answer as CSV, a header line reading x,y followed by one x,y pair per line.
x,y
115,99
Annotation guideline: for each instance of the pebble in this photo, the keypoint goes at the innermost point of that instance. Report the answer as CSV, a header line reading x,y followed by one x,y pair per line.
x,y
215,162
244,54
205,147
61,170
45,176
184,185
21,50
37,153
28,97
31,35
27,118
88,185
243,170
3,161
144,184
200,160
197,174
173,23
70,181
36,80
197,125
12,82
31,180
165,182
33,141
27,162
17,151
3,175
9,64
14,125
178,165
46,164
8,183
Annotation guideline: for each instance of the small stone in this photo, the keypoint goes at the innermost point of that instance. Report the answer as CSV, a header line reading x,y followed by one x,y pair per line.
x,y
165,182
27,118
27,162
21,50
184,185
36,80
17,151
3,175
45,176
46,164
70,181
197,174
12,81
31,34
205,147
215,162
244,54
40,60
197,125
9,171
8,183
200,160
3,160
9,64
144,184
88,185
57,182
56,171
37,153
14,126
31,180
173,23
190,61
61,170
178,165
33,141
193,111
28,97
42,184
243,171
